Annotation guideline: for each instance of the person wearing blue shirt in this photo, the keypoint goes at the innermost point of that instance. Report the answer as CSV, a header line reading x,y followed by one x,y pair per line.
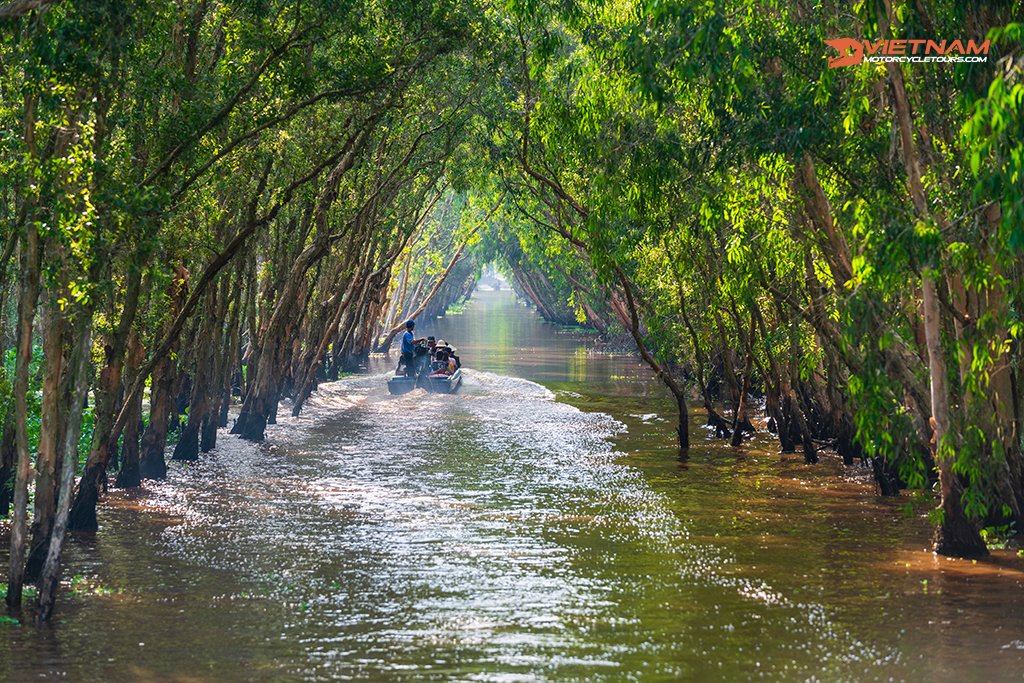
x,y
408,348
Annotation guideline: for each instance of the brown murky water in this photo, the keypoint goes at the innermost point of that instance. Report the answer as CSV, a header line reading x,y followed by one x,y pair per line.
x,y
534,527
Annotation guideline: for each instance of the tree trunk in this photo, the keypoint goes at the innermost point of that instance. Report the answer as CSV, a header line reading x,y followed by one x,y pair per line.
x,y
628,314
714,419
48,459
231,357
798,423
130,475
83,510
164,385
152,464
260,405
29,293
741,425
203,382
386,344
955,536
304,387
837,251
78,376
729,362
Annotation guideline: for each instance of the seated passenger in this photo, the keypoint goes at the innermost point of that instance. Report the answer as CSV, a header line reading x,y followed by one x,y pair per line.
x,y
439,364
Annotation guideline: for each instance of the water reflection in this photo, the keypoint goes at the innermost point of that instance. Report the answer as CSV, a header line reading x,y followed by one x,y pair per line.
x,y
503,535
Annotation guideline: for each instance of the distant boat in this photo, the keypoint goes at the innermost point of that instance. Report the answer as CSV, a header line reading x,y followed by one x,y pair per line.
x,y
435,383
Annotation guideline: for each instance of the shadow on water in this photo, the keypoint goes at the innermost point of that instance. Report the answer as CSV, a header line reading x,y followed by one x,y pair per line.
x,y
536,526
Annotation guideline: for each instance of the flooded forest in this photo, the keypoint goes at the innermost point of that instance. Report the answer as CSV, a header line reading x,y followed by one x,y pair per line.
x,y
727,300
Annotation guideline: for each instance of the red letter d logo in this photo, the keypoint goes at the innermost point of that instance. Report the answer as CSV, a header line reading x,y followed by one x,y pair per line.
x,y
850,52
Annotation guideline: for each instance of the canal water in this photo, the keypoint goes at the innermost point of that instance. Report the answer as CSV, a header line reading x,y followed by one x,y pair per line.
x,y
537,526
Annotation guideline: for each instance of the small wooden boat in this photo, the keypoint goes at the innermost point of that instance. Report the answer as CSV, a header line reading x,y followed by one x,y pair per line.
x,y
435,382
400,384
440,383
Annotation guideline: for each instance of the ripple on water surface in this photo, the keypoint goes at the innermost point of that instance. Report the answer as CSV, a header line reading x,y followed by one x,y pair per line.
x,y
491,535
495,535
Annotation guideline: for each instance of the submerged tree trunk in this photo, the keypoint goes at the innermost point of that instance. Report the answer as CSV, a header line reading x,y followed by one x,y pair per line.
x,y
741,425
163,391
152,464
955,536
83,511
48,458
260,405
798,423
26,315
715,420
305,386
629,316
130,475
204,380
231,360
77,373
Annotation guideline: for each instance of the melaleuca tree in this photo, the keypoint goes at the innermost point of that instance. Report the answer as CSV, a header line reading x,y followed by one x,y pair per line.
x,y
218,197
816,220
161,145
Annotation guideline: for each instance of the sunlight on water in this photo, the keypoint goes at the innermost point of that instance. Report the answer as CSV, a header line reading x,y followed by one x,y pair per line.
x,y
494,528
498,534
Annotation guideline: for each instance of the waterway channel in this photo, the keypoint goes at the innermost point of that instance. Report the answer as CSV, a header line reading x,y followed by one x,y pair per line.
x,y
536,526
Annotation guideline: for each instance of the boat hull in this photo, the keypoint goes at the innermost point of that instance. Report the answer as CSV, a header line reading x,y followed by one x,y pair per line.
x,y
447,384
401,385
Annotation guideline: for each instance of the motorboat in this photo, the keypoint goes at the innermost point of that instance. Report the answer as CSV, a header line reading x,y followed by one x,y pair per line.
x,y
424,375
440,383
400,384
403,381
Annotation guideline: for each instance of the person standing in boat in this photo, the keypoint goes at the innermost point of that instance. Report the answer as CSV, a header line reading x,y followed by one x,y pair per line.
x,y
408,349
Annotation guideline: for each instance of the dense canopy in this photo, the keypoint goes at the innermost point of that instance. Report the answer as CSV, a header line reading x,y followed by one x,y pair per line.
x,y
213,205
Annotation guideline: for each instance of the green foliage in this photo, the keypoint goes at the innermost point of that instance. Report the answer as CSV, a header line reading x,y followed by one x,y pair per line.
x,y
706,155
34,395
998,536
694,164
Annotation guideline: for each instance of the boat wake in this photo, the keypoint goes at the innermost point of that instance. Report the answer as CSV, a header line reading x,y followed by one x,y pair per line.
x,y
494,525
